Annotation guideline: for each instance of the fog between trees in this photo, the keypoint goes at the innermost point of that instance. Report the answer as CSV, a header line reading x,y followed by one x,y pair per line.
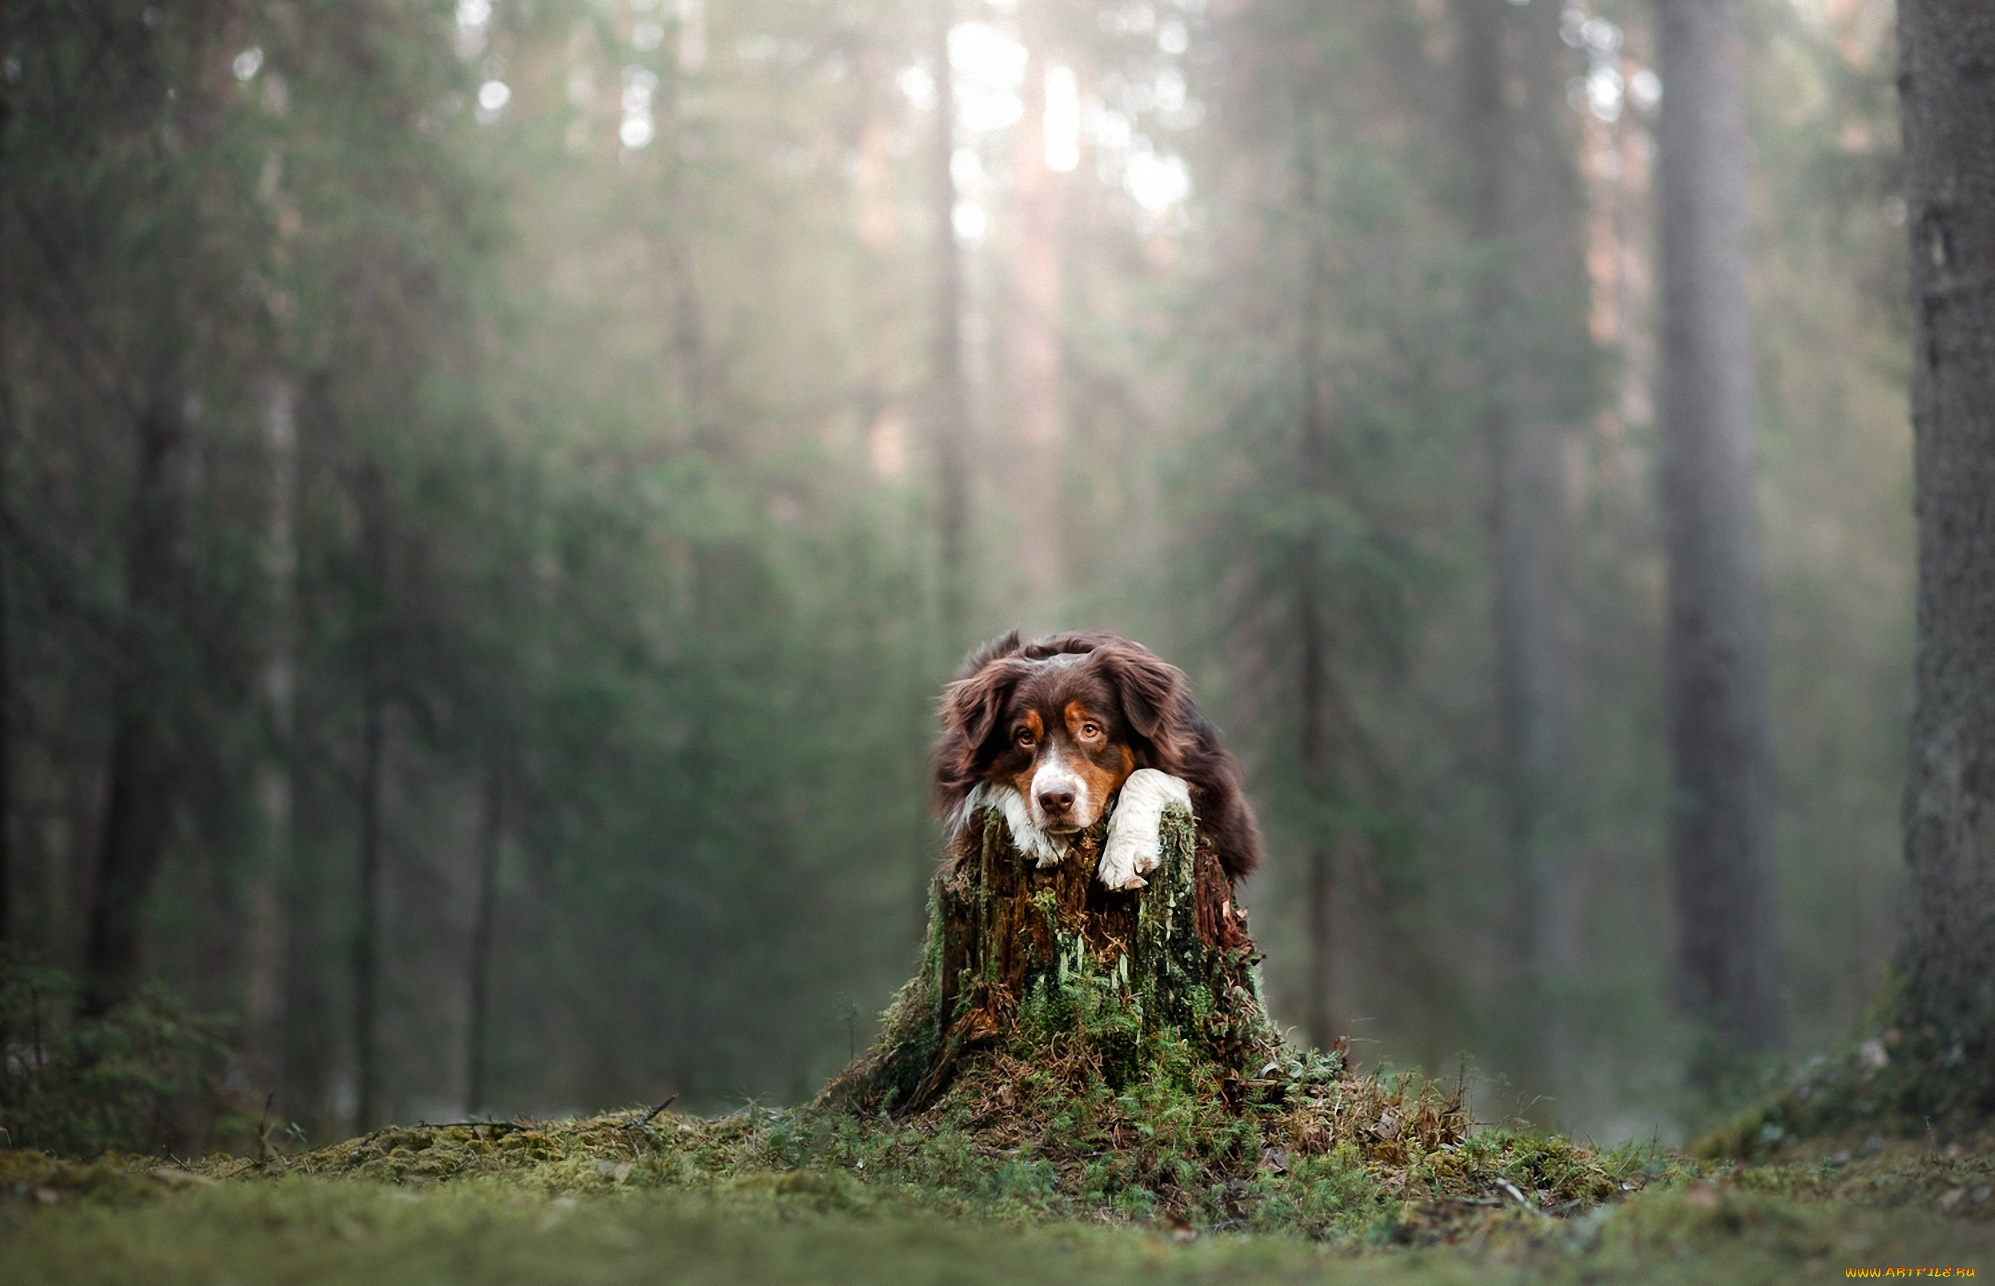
x,y
492,490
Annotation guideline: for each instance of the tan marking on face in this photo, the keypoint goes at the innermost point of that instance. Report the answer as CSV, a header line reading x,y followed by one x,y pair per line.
x,y
1087,731
1101,766
1035,727
1104,779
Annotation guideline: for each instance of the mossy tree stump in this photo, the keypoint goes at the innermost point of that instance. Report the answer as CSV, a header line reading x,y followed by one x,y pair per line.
x,y
1036,960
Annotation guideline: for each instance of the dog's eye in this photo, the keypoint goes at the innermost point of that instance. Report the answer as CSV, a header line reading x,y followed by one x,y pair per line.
x,y
1090,730
1025,737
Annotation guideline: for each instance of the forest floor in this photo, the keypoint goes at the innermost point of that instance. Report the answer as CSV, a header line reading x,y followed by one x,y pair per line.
x,y
1072,1142
630,1197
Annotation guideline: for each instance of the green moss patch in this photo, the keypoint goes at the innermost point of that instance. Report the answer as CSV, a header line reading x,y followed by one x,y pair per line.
x,y
1067,1053
1899,1079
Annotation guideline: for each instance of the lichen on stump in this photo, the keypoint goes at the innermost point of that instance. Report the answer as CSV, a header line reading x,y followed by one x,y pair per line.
x,y
1026,960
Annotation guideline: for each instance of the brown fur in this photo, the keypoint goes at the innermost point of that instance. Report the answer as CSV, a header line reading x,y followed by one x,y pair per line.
x,y
1142,709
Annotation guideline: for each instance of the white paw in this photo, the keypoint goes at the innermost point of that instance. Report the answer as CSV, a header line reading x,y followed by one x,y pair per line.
x,y
1127,857
1135,847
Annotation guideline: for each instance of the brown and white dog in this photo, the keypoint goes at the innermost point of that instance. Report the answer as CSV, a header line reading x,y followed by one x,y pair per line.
x,y
1056,731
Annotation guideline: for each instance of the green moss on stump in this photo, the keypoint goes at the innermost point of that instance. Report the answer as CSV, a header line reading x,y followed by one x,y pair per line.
x,y
1070,1050
1028,961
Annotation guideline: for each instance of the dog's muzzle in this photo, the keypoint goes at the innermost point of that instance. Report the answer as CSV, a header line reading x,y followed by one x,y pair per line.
x,y
1059,799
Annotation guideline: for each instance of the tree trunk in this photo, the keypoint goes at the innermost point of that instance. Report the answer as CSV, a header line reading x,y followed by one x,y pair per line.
x,y
374,540
6,552
1526,216
263,999
6,541
948,399
138,816
477,1038
881,409
6,645
1015,949
367,933
1728,971
1312,628
1947,48
1035,358
1313,741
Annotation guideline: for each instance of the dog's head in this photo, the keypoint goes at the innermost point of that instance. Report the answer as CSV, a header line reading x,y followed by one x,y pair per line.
x,y
1063,721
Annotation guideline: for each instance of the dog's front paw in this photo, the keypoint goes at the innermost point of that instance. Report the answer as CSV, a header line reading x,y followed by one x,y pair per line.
x,y
1129,854
1135,846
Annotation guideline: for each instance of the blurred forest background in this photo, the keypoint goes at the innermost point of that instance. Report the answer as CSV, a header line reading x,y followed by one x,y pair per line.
x,y
491,490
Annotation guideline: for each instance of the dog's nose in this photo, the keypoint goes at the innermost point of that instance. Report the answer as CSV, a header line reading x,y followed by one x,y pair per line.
x,y
1055,802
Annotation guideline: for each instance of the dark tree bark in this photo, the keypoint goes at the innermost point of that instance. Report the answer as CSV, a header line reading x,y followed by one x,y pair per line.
x,y
6,637
1526,214
142,778
1947,52
6,542
949,403
1728,970
477,1038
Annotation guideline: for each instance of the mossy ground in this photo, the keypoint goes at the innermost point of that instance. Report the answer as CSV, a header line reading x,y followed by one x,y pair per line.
x,y
1120,1110
1018,1172
1898,1079
561,1206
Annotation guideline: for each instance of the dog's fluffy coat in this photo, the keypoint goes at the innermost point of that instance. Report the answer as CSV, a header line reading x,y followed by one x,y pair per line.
x,y
1056,730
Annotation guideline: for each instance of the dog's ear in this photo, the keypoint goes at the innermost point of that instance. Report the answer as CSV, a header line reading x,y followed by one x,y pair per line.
x,y
970,710
1153,692
971,706
1004,645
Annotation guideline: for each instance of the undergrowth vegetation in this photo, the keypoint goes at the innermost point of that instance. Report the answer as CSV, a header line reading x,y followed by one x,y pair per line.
x,y
1126,1120
1900,1076
1032,1164
145,1077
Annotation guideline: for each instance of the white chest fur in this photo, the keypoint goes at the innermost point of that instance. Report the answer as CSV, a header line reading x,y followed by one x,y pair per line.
x,y
1134,847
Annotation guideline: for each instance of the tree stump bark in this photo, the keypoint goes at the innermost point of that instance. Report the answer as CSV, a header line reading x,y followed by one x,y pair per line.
x,y
1027,959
